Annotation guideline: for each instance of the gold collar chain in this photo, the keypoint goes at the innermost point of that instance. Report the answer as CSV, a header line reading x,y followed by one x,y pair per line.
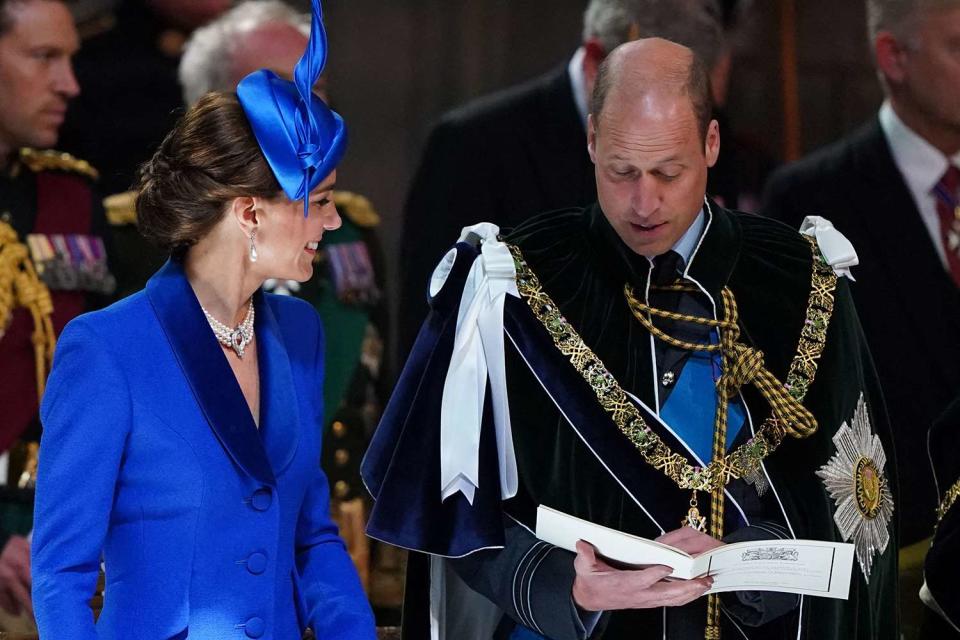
x,y
744,460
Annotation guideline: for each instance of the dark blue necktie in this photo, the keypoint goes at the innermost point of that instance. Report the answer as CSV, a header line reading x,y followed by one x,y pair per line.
x,y
667,267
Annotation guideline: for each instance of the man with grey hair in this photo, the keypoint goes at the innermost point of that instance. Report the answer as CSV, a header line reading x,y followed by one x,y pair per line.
x,y
507,156
892,187
888,183
253,35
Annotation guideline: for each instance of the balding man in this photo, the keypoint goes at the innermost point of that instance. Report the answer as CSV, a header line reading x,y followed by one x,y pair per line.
x,y
643,338
520,151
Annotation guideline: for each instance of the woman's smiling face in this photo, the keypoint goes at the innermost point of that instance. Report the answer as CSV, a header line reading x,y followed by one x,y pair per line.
x,y
287,240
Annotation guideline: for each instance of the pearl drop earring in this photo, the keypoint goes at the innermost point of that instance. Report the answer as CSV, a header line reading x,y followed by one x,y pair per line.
x,y
253,245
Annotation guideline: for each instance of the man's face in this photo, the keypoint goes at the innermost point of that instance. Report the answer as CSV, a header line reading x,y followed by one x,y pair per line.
x,y
931,68
36,75
276,46
651,167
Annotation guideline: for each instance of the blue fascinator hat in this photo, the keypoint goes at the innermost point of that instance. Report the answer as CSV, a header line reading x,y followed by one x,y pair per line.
x,y
301,138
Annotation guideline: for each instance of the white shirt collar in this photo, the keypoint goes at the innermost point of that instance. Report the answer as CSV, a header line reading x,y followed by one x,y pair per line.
x,y
921,164
578,83
688,242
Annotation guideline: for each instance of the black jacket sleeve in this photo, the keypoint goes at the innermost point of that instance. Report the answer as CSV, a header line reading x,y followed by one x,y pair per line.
x,y
532,581
449,191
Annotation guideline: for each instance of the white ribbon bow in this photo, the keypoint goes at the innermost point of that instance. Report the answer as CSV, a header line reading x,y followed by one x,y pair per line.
x,y
478,355
836,249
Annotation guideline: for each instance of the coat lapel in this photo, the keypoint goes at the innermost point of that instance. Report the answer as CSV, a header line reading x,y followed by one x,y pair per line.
x,y
890,205
279,413
911,259
207,371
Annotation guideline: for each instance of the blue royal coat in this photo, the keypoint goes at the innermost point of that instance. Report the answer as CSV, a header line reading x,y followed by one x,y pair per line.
x,y
208,527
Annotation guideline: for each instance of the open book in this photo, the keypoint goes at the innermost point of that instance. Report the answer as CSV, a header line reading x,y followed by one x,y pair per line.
x,y
808,567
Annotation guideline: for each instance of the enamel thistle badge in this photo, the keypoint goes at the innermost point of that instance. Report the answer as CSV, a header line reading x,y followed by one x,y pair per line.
x,y
855,478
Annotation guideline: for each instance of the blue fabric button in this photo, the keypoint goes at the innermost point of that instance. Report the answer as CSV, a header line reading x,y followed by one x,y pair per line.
x,y
262,498
257,563
254,627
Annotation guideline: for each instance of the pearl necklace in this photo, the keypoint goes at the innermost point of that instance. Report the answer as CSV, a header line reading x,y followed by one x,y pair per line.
x,y
237,339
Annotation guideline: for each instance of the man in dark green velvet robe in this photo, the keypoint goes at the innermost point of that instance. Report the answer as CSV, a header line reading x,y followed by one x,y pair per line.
x,y
589,374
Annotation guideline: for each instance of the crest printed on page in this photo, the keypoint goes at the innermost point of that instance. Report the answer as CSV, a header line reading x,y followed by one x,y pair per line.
x,y
856,481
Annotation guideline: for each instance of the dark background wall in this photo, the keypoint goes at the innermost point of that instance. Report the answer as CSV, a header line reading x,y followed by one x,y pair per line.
x,y
837,84
396,65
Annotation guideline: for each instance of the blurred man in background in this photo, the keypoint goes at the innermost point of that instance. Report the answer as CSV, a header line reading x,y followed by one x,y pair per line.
x,y
53,262
892,188
254,35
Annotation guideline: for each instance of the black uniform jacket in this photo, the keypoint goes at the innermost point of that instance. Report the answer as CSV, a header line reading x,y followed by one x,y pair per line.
x,y
907,302
502,159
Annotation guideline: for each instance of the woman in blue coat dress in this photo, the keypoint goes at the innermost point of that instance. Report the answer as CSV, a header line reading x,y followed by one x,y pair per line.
x,y
182,425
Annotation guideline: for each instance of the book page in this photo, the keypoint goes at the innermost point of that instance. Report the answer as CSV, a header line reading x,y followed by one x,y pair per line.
x,y
564,531
808,567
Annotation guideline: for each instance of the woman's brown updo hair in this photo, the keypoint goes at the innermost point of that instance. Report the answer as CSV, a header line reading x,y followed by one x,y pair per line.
x,y
209,158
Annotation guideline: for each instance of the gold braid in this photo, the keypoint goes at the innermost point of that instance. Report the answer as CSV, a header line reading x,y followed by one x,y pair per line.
x,y
949,498
20,286
740,365
745,364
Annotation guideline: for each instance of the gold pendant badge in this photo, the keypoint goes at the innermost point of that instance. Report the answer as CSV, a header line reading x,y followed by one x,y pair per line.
x,y
694,520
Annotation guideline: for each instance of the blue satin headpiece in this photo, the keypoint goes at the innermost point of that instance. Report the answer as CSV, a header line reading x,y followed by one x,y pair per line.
x,y
301,138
